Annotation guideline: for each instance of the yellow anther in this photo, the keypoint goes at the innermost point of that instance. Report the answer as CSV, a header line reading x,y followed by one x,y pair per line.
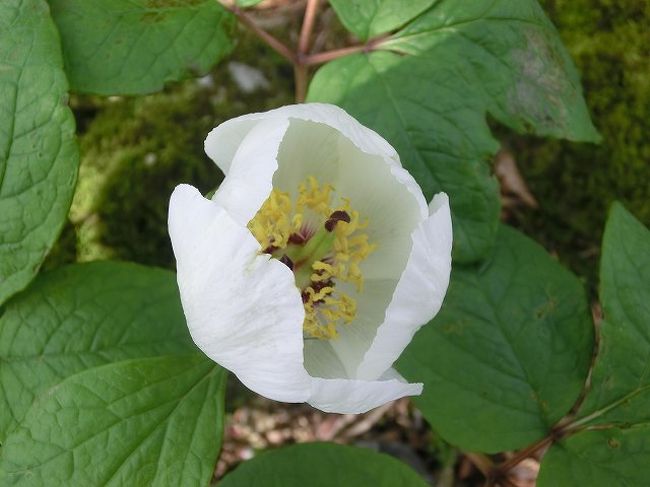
x,y
313,197
273,223
279,219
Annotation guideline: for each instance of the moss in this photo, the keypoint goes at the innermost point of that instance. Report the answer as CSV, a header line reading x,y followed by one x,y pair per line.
x,y
64,250
135,150
576,183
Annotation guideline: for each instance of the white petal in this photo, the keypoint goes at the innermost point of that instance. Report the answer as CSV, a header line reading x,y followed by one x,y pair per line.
x,y
419,294
322,361
308,149
320,144
243,309
223,142
249,178
365,139
348,396
392,214
355,339
368,181
377,184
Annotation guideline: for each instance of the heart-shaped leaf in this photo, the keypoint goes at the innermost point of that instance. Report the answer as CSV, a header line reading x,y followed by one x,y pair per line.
x,y
38,153
80,317
428,88
136,46
610,442
508,354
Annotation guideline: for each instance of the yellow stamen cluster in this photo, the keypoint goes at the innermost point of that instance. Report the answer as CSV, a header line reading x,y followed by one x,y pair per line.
x,y
273,223
279,227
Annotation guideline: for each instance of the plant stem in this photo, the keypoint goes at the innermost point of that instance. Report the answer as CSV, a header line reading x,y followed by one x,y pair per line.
x,y
300,68
300,60
277,45
323,57
307,26
300,77
481,462
525,453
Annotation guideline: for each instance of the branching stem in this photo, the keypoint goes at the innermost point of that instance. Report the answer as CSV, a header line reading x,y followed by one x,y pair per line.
x,y
276,44
324,57
300,59
525,453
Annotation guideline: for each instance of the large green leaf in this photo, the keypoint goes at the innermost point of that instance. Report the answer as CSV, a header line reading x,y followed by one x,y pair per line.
x,y
152,421
620,383
38,153
80,317
515,58
617,406
430,87
608,458
135,46
508,354
323,465
369,18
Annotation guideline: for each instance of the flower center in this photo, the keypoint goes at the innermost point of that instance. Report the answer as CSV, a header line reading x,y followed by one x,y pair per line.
x,y
322,244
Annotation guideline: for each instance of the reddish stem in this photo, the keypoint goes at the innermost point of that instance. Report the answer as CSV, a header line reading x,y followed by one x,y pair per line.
x,y
307,26
300,59
525,453
277,45
324,57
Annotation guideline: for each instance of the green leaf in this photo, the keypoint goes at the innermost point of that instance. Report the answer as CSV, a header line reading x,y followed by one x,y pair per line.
x,y
247,3
38,153
384,91
80,317
508,354
523,73
151,421
430,86
617,406
599,459
136,46
620,383
322,464
370,18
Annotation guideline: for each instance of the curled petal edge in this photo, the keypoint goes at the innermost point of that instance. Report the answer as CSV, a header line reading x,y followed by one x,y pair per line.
x,y
224,141
419,293
354,396
243,309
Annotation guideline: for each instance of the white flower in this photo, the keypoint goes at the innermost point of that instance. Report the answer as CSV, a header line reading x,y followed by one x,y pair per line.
x,y
314,263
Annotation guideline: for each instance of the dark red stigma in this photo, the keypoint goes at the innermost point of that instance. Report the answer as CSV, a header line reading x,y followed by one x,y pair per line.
x,y
335,217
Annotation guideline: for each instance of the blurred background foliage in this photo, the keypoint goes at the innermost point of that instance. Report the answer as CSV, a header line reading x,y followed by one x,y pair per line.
x,y
576,183
135,150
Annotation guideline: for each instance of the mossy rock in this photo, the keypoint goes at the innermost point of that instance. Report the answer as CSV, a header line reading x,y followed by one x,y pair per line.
x,y
576,183
136,150
133,155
